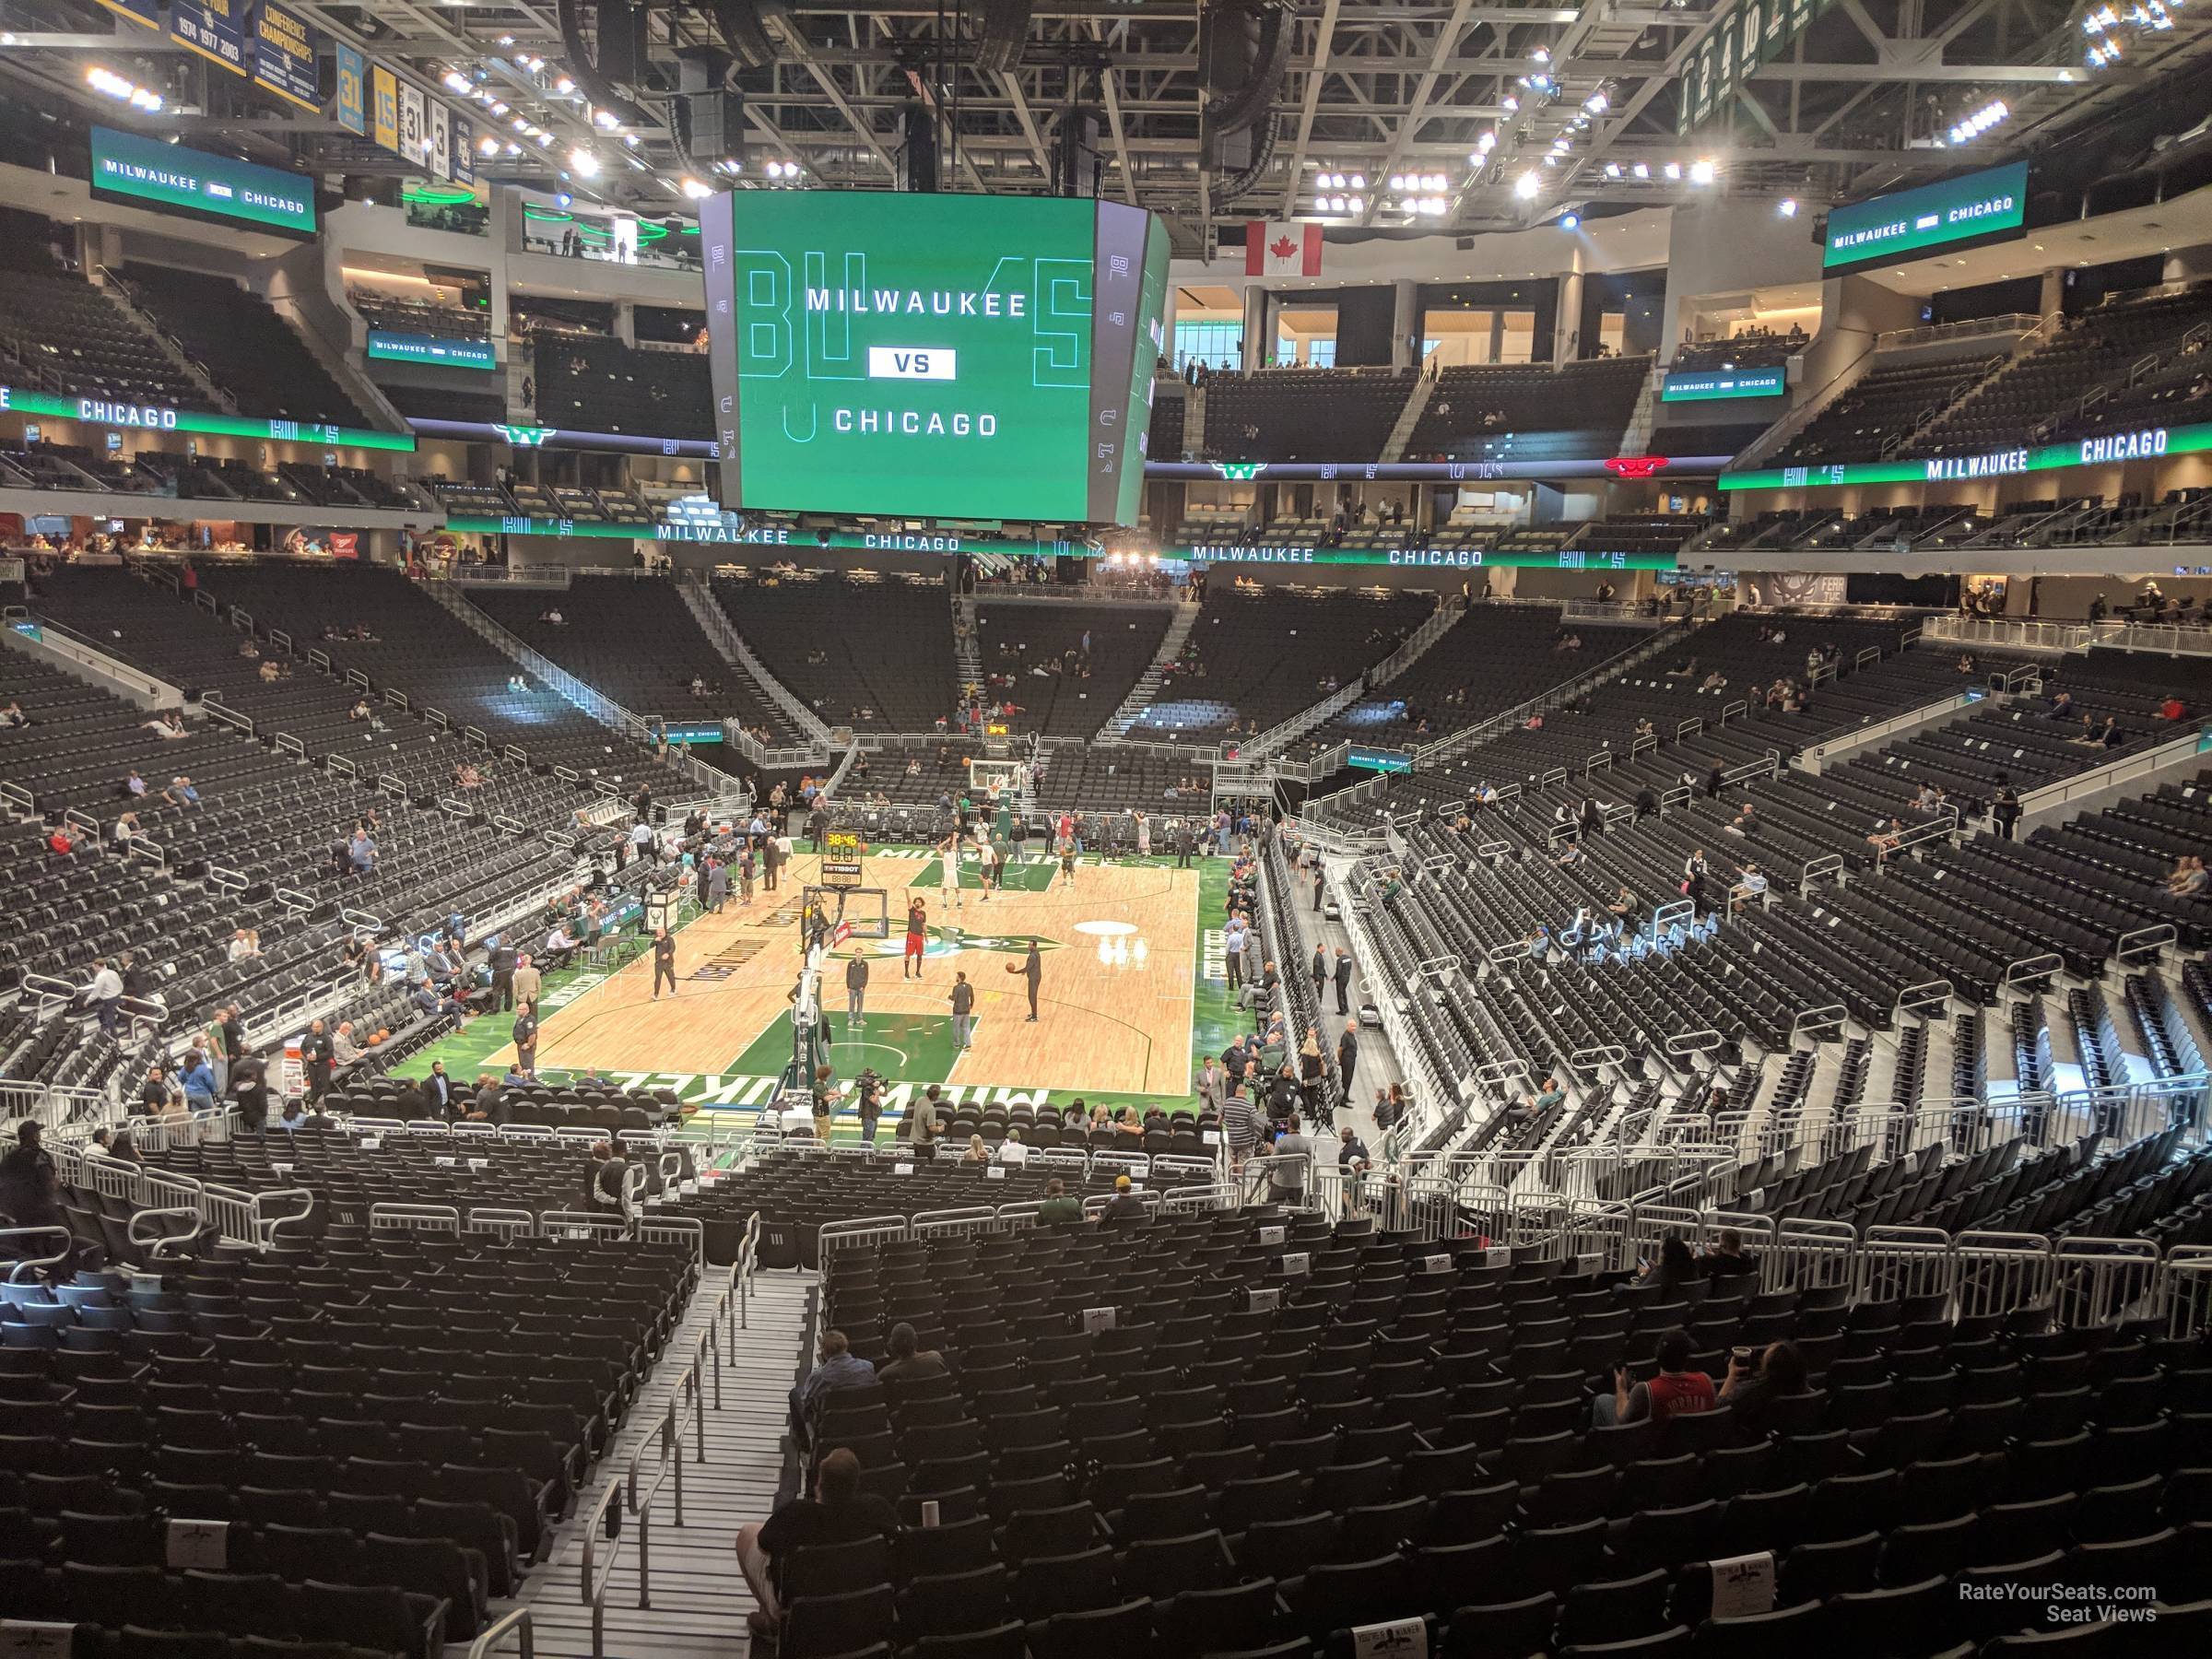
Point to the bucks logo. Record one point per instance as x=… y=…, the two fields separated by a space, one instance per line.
x=944 y=941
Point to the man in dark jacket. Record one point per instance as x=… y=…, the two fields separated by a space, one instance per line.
x=1344 y=979
x=502 y=976
x=1347 y=1059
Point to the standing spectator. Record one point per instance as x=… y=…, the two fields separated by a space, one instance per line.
x=1287 y=1178
x=249 y=1086
x=2006 y=809
x=317 y=1057
x=664 y=962
x=104 y=993
x=30 y=1185
x=220 y=1043
x=1239 y=1124
x=963 y=1011
x=1317 y=886
x=1344 y=979
x=1347 y=1059
x=527 y=982
x=1321 y=971
x=198 y=1082
x=1212 y=1086
x=856 y=994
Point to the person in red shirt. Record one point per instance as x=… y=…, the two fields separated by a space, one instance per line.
x=1676 y=1391
x=2171 y=709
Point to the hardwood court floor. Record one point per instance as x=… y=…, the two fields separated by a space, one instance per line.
x=1115 y=1006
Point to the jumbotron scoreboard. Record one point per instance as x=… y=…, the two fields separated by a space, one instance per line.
x=932 y=356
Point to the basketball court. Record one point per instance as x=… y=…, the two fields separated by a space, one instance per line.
x=1119 y=948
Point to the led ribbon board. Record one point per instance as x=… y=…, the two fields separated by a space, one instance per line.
x=932 y=356
x=162 y=418
x=1986 y=206
x=2144 y=443
x=1698 y=385
x=729 y=530
x=149 y=173
x=392 y=345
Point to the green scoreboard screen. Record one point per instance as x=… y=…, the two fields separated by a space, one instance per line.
x=149 y=173
x=1977 y=208
x=932 y=356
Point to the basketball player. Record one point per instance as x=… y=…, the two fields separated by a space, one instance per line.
x=948 y=852
x=917 y=936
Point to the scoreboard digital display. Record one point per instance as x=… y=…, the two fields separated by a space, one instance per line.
x=146 y=173
x=932 y=356
x=1973 y=210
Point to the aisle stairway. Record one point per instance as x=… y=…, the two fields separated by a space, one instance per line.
x=1148 y=683
x=699 y=1601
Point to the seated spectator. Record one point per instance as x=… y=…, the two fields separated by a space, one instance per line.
x=1745 y=823
x=838 y=1513
x=977 y=1154
x=181 y=792
x=908 y=1359
x=2188 y=877
x=1748 y=1393
x=158 y=1096
x=1728 y=1258
x=1123 y=1206
x=1673 y=1268
x=840 y=1367
x=1058 y=1205
x=168 y=727
x=1676 y=1391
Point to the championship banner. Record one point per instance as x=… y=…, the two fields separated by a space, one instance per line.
x=284 y=56
x=441 y=142
x=464 y=150
x=351 y=105
x=384 y=90
x=214 y=28
x=148 y=12
x=413 y=144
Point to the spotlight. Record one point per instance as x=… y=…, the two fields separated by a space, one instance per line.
x=1673 y=170
x=1640 y=170
x=1511 y=103
x=696 y=190
x=564 y=86
x=585 y=163
x=1612 y=169
x=1570 y=220
x=1397 y=182
x=1787 y=208
x=1359 y=181
x=455 y=81
x=487 y=146
x=1527 y=185
x=1701 y=172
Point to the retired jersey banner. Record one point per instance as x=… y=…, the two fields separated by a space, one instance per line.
x=214 y=28
x=351 y=107
x=284 y=56
x=464 y=150
x=441 y=142
x=385 y=87
x=1281 y=250
x=413 y=141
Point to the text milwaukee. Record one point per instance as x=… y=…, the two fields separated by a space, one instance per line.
x=1951 y=467
x=918 y=302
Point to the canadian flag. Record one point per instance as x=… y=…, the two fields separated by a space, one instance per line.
x=1281 y=250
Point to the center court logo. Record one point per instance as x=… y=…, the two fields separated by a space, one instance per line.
x=945 y=941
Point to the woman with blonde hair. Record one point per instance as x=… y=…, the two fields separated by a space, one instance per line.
x=977 y=1152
